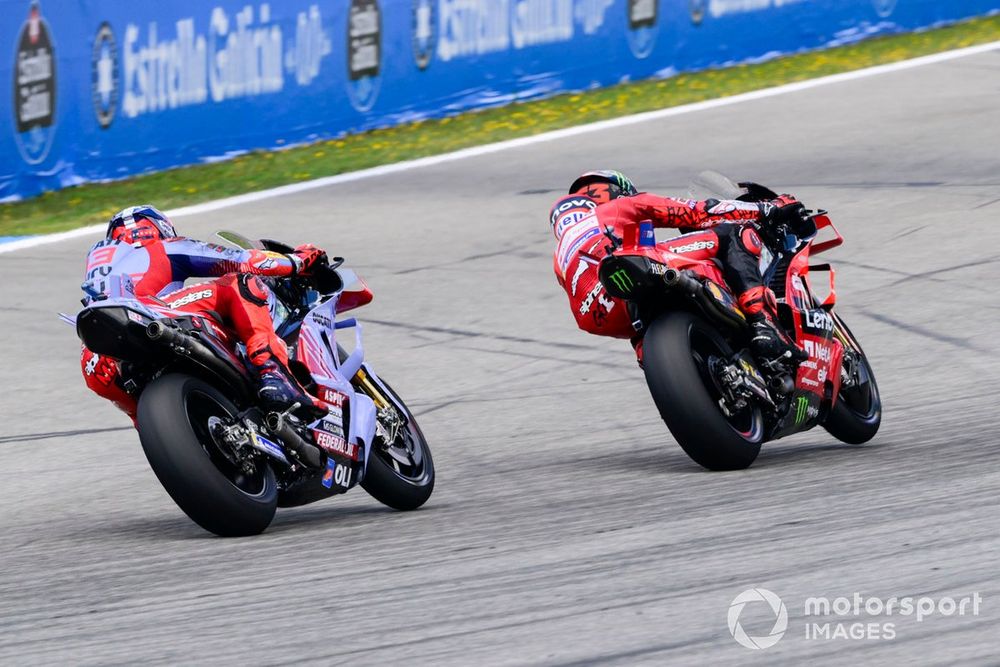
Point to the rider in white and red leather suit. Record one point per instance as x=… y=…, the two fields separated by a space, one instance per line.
x=608 y=199
x=141 y=245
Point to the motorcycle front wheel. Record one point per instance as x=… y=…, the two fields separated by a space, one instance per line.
x=175 y=416
x=857 y=415
x=678 y=350
x=400 y=469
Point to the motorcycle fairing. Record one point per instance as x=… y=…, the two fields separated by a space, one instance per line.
x=317 y=350
x=814 y=330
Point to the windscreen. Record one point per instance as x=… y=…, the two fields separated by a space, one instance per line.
x=713 y=185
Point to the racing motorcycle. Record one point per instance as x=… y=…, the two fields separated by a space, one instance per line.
x=719 y=402
x=226 y=462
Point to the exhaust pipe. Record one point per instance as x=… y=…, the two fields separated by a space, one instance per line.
x=675 y=278
x=782 y=384
x=155 y=330
x=161 y=333
x=186 y=347
x=276 y=423
x=683 y=281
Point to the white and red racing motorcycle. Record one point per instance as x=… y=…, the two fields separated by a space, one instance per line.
x=226 y=462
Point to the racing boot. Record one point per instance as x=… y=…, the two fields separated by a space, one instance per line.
x=769 y=343
x=278 y=391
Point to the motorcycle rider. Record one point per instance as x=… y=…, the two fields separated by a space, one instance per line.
x=142 y=250
x=602 y=199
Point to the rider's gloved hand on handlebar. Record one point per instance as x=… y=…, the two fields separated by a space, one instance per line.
x=307 y=257
x=780 y=215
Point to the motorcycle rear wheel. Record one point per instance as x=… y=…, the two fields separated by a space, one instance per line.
x=676 y=352
x=173 y=422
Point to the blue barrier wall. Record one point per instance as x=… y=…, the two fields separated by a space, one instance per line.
x=102 y=89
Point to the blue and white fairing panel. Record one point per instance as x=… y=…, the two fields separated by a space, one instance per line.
x=317 y=349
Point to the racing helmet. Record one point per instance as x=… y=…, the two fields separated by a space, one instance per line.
x=603 y=185
x=140 y=225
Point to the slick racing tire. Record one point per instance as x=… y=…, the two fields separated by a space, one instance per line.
x=856 y=416
x=677 y=349
x=173 y=417
x=400 y=473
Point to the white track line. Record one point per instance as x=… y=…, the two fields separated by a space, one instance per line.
x=555 y=135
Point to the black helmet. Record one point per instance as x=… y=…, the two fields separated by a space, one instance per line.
x=603 y=185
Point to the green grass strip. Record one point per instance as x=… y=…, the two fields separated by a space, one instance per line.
x=89 y=204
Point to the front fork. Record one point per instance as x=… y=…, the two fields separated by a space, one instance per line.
x=389 y=421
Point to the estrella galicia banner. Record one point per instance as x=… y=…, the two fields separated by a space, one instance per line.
x=104 y=89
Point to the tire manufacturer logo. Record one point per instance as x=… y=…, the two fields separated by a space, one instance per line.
x=749 y=596
x=104 y=76
x=642 y=26
x=424 y=32
x=364 y=53
x=34 y=88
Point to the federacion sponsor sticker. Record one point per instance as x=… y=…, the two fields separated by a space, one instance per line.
x=336 y=444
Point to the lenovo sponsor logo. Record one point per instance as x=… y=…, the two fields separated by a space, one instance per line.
x=819 y=320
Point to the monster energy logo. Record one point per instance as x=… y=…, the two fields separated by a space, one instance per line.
x=622 y=280
x=621 y=180
x=801 y=410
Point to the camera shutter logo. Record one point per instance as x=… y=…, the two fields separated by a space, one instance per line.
x=34 y=88
x=780 y=618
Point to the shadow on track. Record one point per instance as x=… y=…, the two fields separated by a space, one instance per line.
x=670 y=459
x=173 y=525
x=780 y=456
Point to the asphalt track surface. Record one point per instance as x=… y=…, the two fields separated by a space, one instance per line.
x=567 y=527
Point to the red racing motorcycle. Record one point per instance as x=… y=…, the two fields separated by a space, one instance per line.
x=719 y=402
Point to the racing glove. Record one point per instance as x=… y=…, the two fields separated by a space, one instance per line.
x=780 y=216
x=306 y=258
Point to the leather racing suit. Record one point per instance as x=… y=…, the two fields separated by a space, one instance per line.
x=721 y=231
x=157 y=272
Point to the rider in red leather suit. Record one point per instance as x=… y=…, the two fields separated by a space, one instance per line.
x=602 y=199
x=142 y=249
